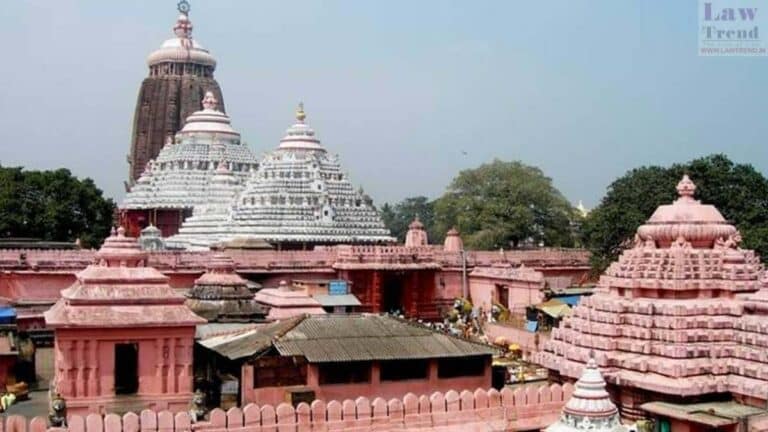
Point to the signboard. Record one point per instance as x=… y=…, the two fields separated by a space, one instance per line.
x=338 y=287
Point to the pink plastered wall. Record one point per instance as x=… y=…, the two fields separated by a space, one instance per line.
x=85 y=366
x=374 y=388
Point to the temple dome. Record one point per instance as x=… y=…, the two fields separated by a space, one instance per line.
x=686 y=218
x=590 y=407
x=188 y=171
x=209 y=120
x=182 y=48
x=300 y=136
x=453 y=242
x=416 y=235
x=299 y=194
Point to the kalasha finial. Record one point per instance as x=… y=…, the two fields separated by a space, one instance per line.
x=300 y=114
x=209 y=101
x=686 y=188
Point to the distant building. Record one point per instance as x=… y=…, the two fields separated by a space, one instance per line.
x=346 y=356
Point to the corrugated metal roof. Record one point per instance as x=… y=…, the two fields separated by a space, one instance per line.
x=714 y=414
x=248 y=342
x=328 y=300
x=371 y=337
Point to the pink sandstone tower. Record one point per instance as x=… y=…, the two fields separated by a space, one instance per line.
x=123 y=336
x=679 y=318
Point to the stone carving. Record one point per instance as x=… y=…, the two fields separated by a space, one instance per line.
x=197 y=408
x=58 y=412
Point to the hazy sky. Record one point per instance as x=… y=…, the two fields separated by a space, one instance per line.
x=400 y=89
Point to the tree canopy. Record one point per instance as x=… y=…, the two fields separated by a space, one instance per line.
x=398 y=216
x=53 y=206
x=737 y=190
x=503 y=204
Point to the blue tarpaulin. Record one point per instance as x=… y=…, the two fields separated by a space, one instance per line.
x=531 y=326
x=570 y=300
x=7 y=315
x=338 y=287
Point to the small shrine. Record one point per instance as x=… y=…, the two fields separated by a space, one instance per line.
x=589 y=408
x=416 y=235
x=453 y=242
x=221 y=296
x=123 y=336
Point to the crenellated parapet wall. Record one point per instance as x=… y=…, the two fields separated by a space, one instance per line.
x=321 y=257
x=506 y=410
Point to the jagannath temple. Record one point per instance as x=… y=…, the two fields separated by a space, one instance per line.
x=180 y=73
x=262 y=285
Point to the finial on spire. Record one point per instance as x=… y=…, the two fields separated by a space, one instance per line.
x=209 y=101
x=183 y=27
x=300 y=114
x=183 y=7
x=686 y=188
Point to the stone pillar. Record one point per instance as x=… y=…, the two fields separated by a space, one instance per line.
x=78 y=357
x=376 y=292
x=375 y=374
x=432 y=373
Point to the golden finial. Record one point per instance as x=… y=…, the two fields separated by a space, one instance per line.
x=300 y=114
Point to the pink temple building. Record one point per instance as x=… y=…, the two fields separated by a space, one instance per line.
x=123 y=336
x=680 y=318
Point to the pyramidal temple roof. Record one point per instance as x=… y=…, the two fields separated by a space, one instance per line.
x=186 y=172
x=298 y=194
x=590 y=407
x=120 y=291
x=681 y=313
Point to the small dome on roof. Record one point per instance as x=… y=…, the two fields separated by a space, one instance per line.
x=686 y=218
x=182 y=48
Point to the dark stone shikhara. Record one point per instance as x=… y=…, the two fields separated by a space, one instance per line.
x=180 y=73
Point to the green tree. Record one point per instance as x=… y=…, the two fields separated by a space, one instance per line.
x=503 y=204
x=737 y=190
x=397 y=217
x=53 y=205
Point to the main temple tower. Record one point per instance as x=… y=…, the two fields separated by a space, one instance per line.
x=180 y=73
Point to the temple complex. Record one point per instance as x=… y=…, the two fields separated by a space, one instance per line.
x=123 y=336
x=180 y=73
x=205 y=163
x=680 y=318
